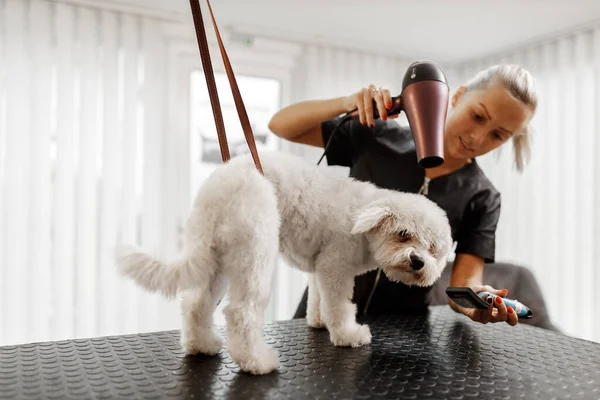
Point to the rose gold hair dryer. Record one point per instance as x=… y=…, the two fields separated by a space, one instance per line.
x=424 y=99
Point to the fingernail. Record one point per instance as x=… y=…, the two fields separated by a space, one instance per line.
x=388 y=105
x=498 y=300
x=384 y=117
x=510 y=310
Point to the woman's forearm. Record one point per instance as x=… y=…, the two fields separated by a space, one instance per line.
x=467 y=271
x=298 y=119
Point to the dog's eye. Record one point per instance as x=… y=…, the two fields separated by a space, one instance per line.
x=431 y=248
x=403 y=236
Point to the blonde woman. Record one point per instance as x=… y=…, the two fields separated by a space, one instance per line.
x=491 y=110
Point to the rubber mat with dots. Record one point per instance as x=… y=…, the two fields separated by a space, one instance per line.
x=437 y=355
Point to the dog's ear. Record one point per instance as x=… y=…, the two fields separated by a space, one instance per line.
x=383 y=217
x=370 y=217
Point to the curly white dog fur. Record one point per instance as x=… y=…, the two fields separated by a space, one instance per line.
x=330 y=226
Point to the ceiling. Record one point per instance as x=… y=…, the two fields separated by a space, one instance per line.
x=447 y=30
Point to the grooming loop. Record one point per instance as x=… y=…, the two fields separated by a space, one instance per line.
x=212 y=87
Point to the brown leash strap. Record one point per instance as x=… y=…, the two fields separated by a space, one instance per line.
x=212 y=87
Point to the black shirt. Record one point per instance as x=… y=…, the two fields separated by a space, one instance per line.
x=386 y=156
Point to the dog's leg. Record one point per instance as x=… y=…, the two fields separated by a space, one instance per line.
x=337 y=310
x=313 y=309
x=197 y=308
x=249 y=296
x=250 y=265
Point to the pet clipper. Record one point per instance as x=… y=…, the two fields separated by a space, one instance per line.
x=466 y=297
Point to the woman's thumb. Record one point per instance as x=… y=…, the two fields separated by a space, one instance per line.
x=497 y=292
x=500 y=292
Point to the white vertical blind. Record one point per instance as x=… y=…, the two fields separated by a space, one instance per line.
x=150 y=166
x=87 y=191
x=550 y=218
x=130 y=154
x=63 y=232
x=110 y=175
x=3 y=186
x=15 y=193
x=595 y=215
x=39 y=243
x=81 y=167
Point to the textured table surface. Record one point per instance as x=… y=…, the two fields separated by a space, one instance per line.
x=437 y=355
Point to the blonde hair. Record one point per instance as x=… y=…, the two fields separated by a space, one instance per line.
x=520 y=83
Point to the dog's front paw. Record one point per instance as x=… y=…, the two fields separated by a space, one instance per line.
x=315 y=322
x=353 y=336
x=209 y=344
x=258 y=363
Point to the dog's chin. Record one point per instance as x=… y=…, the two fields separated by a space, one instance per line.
x=405 y=274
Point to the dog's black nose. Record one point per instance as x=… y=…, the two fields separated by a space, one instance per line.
x=417 y=262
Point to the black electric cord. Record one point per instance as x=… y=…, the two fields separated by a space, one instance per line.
x=340 y=122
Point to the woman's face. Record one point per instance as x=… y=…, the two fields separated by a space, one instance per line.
x=481 y=120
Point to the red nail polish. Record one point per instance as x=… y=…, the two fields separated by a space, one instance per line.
x=388 y=106
x=384 y=117
x=510 y=310
x=498 y=300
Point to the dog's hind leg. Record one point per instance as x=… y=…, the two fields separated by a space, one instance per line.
x=250 y=266
x=197 y=309
x=250 y=283
x=313 y=305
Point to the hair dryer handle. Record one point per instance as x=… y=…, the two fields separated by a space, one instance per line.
x=396 y=109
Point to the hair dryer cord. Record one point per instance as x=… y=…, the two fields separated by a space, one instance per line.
x=340 y=122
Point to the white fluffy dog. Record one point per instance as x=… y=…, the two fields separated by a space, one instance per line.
x=330 y=226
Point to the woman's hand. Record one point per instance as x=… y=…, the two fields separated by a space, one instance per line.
x=498 y=312
x=468 y=271
x=363 y=101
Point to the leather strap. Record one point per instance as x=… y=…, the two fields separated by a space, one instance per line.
x=212 y=87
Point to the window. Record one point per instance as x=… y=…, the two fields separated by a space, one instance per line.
x=261 y=98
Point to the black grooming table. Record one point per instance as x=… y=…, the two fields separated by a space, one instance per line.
x=438 y=355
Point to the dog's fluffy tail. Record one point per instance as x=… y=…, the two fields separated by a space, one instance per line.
x=155 y=275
